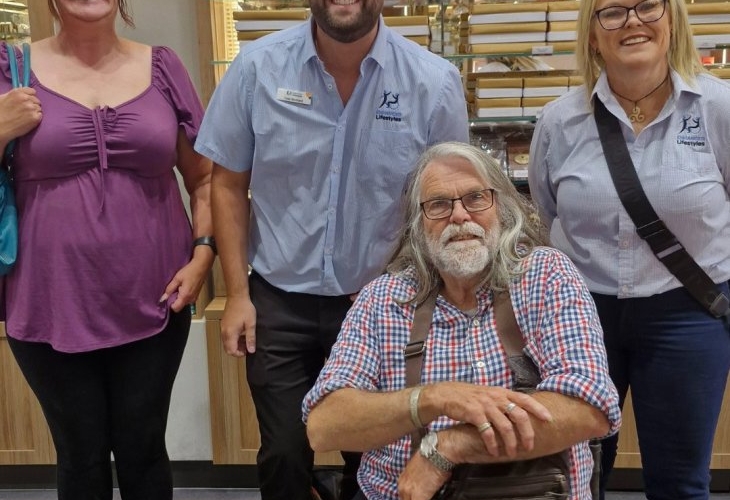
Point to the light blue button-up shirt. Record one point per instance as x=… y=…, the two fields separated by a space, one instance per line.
x=683 y=161
x=327 y=179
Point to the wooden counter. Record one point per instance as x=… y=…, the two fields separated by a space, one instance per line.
x=234 y=427
x=24 y=435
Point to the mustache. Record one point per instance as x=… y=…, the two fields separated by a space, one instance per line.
x=465 y=229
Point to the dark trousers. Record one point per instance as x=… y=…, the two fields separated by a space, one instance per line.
x=674 y=357
x=294 y=336
x=112 y=400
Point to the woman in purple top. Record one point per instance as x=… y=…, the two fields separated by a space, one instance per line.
x=96 y=306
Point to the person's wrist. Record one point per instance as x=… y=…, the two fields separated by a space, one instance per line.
x=208 y=241
x=432 y=449
x=413 y=400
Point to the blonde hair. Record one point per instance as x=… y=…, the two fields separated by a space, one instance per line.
x=682 y=55
x=123 y=11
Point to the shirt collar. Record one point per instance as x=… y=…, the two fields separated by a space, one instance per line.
x=678 y=85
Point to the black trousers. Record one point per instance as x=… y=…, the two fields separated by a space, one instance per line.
x=112 y=400
x=294 y=335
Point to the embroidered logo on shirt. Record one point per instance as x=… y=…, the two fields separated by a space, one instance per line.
x=388 y=108
x=691 y=132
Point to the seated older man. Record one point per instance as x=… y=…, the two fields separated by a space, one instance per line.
x=468 y=234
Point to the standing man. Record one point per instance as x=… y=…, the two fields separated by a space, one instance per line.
x=322 y=123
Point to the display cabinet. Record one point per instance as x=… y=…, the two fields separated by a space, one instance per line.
x=24 y=435
x=23 y=21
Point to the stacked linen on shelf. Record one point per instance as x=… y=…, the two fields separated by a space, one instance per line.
x=415 y=28
x=562 y=30
x=499 y=28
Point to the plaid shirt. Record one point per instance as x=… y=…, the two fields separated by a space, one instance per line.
x=562 y=333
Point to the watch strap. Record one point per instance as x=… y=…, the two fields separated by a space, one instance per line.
x=208 y=241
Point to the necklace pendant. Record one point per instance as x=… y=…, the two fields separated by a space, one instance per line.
x=636 y=115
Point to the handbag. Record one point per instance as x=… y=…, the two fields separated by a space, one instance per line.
x=649 y=226
x=535 y=479
x=8 y=213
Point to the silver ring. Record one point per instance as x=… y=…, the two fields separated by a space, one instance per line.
x=484 y=427
x=508 y=409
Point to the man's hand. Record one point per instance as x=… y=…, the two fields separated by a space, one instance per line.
x=238 y=326
x=420 y=479
x=507 y=413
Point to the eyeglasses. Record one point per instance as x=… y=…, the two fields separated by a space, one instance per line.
x=441 y=208
x=616 y=17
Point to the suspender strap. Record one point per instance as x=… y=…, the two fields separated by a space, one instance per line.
x=649 y=226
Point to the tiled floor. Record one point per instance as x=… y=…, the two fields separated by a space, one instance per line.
x=180 y=494
x=224 y=494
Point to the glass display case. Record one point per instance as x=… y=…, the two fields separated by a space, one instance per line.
x=14 y=21
x=22 y=21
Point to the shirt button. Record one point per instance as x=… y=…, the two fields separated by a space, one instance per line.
x=625 y=289
x=329 y=86
x=624 y=244
x=475 y=322
x=481 y=364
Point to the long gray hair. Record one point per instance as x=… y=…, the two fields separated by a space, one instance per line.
x=518 y=221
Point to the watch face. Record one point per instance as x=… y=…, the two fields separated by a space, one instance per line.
x=428 y=444
x=430 y=452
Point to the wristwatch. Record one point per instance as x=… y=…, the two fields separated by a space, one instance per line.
x=428 y=450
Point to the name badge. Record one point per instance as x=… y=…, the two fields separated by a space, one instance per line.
x=295 y=96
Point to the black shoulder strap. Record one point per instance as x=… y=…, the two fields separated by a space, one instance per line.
x=649 y=226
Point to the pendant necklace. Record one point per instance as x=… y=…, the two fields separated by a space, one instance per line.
x=636 y=115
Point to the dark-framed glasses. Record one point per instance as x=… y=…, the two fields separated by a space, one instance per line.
x=616 y=17
x=441 y=208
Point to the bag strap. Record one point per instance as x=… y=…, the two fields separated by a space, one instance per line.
x=13 y=63
x=15 y=79
x=649 y=226
x=507 y=328
x=413 y=351
x=509 y=335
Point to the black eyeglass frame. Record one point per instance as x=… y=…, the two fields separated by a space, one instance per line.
x=628 y=10
x=491 y=191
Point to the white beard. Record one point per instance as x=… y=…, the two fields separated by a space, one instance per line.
x=463 y=259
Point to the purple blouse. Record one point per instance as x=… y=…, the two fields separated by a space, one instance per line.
x=102 y=223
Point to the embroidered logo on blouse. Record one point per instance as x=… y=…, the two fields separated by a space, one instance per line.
x=691 y=131
x=388 y=107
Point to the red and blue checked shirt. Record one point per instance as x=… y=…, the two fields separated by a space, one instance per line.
x=562 y=333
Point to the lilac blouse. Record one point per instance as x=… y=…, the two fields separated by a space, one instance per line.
x=102 y=223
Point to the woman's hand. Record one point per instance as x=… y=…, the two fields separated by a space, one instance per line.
x=188 y=281
x=20 y=112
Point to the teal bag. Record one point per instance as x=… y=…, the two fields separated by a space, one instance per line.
x=8 y=213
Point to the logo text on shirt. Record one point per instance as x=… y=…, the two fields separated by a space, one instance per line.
x=691 y=132
x=388 y=108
